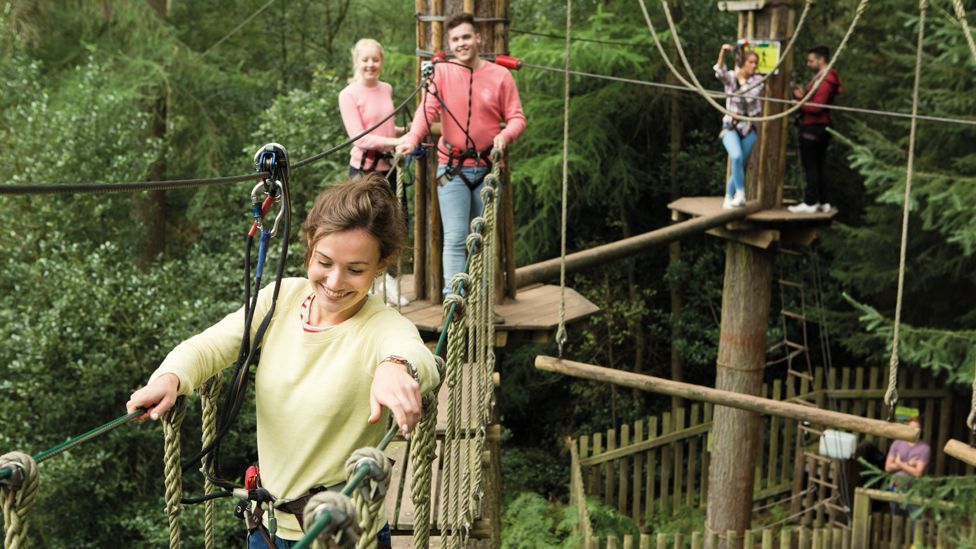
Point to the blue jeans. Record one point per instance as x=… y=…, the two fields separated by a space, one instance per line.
x=255 y=541
x=739 y=149
x=459 y=204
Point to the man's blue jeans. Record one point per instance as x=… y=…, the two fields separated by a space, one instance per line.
x=459 y=204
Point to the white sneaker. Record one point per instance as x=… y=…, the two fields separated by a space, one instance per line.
x=739 y=199
x=393 y=294
x=727 y=203
x=825 y=207
x=804 y=208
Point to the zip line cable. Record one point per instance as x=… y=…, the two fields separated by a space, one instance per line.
x=688 y=89
x=142 y=186
x=237 y=28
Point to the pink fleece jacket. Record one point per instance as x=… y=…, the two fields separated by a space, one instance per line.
x=361 y=107
x=494 y=99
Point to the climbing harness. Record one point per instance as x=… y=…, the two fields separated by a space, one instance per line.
x=456 y=160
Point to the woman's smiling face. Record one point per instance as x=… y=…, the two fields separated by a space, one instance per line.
x=341 y=270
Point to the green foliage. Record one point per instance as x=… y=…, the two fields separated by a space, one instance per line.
x=951 y=500
x=943 y=351
x=684 y=520
x=531 y=521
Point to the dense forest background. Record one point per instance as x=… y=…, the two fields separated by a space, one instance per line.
x=96 y=289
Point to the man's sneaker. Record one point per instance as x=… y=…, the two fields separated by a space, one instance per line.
x=804 y=208
x=825 y=207
x=739 y=199
x=393 y=293
x=727 y=203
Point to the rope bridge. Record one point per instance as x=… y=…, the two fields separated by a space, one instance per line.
x=352 y=517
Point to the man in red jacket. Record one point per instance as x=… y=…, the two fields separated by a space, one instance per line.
x=812 y=125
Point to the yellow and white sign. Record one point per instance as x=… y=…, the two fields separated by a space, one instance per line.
x=768 y=52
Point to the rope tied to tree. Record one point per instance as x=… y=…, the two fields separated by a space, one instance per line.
x=561 y=336
x=173 y=469
x=209 y=393
x=341 y=531
x=891 y=393
x=17 y=494
x=695 y=85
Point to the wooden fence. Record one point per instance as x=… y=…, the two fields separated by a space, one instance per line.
x=883 y=529
x=796 y=538
x=659 y=464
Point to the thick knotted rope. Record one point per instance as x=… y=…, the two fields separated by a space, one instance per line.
x=173 y=470
x=209 y=392
x=369 y=497
x=891 y=393
x=342 y=530
x=423 y=446
x=17 y=493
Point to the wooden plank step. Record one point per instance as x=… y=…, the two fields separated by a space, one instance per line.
x=792 y=314
x=800 y=374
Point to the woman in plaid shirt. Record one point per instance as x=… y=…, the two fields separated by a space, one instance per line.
x=739 y=136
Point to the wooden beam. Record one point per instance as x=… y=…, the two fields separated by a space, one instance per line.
x=761 y=405
x=961 y=451
x=599 y=255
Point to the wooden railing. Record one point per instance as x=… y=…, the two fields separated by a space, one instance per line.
x=577 y=495
x=874 y=528
x=797 y=538
x=659 y=464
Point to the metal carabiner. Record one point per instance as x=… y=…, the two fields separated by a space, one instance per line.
x=281 y=209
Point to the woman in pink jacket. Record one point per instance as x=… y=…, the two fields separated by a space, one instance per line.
x=363 y=103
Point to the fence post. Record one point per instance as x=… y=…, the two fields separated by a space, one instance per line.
x=862 y=520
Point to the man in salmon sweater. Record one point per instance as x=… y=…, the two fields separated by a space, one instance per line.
x=478 y=96
x=812 y=125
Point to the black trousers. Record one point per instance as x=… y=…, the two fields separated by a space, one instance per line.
x=813 y=154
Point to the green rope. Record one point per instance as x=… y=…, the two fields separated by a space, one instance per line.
x=71 y=443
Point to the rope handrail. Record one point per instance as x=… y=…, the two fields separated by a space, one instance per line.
x=561 y=336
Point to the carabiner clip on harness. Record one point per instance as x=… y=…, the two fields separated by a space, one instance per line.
x=272 y=159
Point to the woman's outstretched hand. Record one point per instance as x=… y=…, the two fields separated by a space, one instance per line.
x=156 y=397
x=394 y=388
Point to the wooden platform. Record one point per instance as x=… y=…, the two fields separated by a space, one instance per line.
x=535 y=310
x=760 y=229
